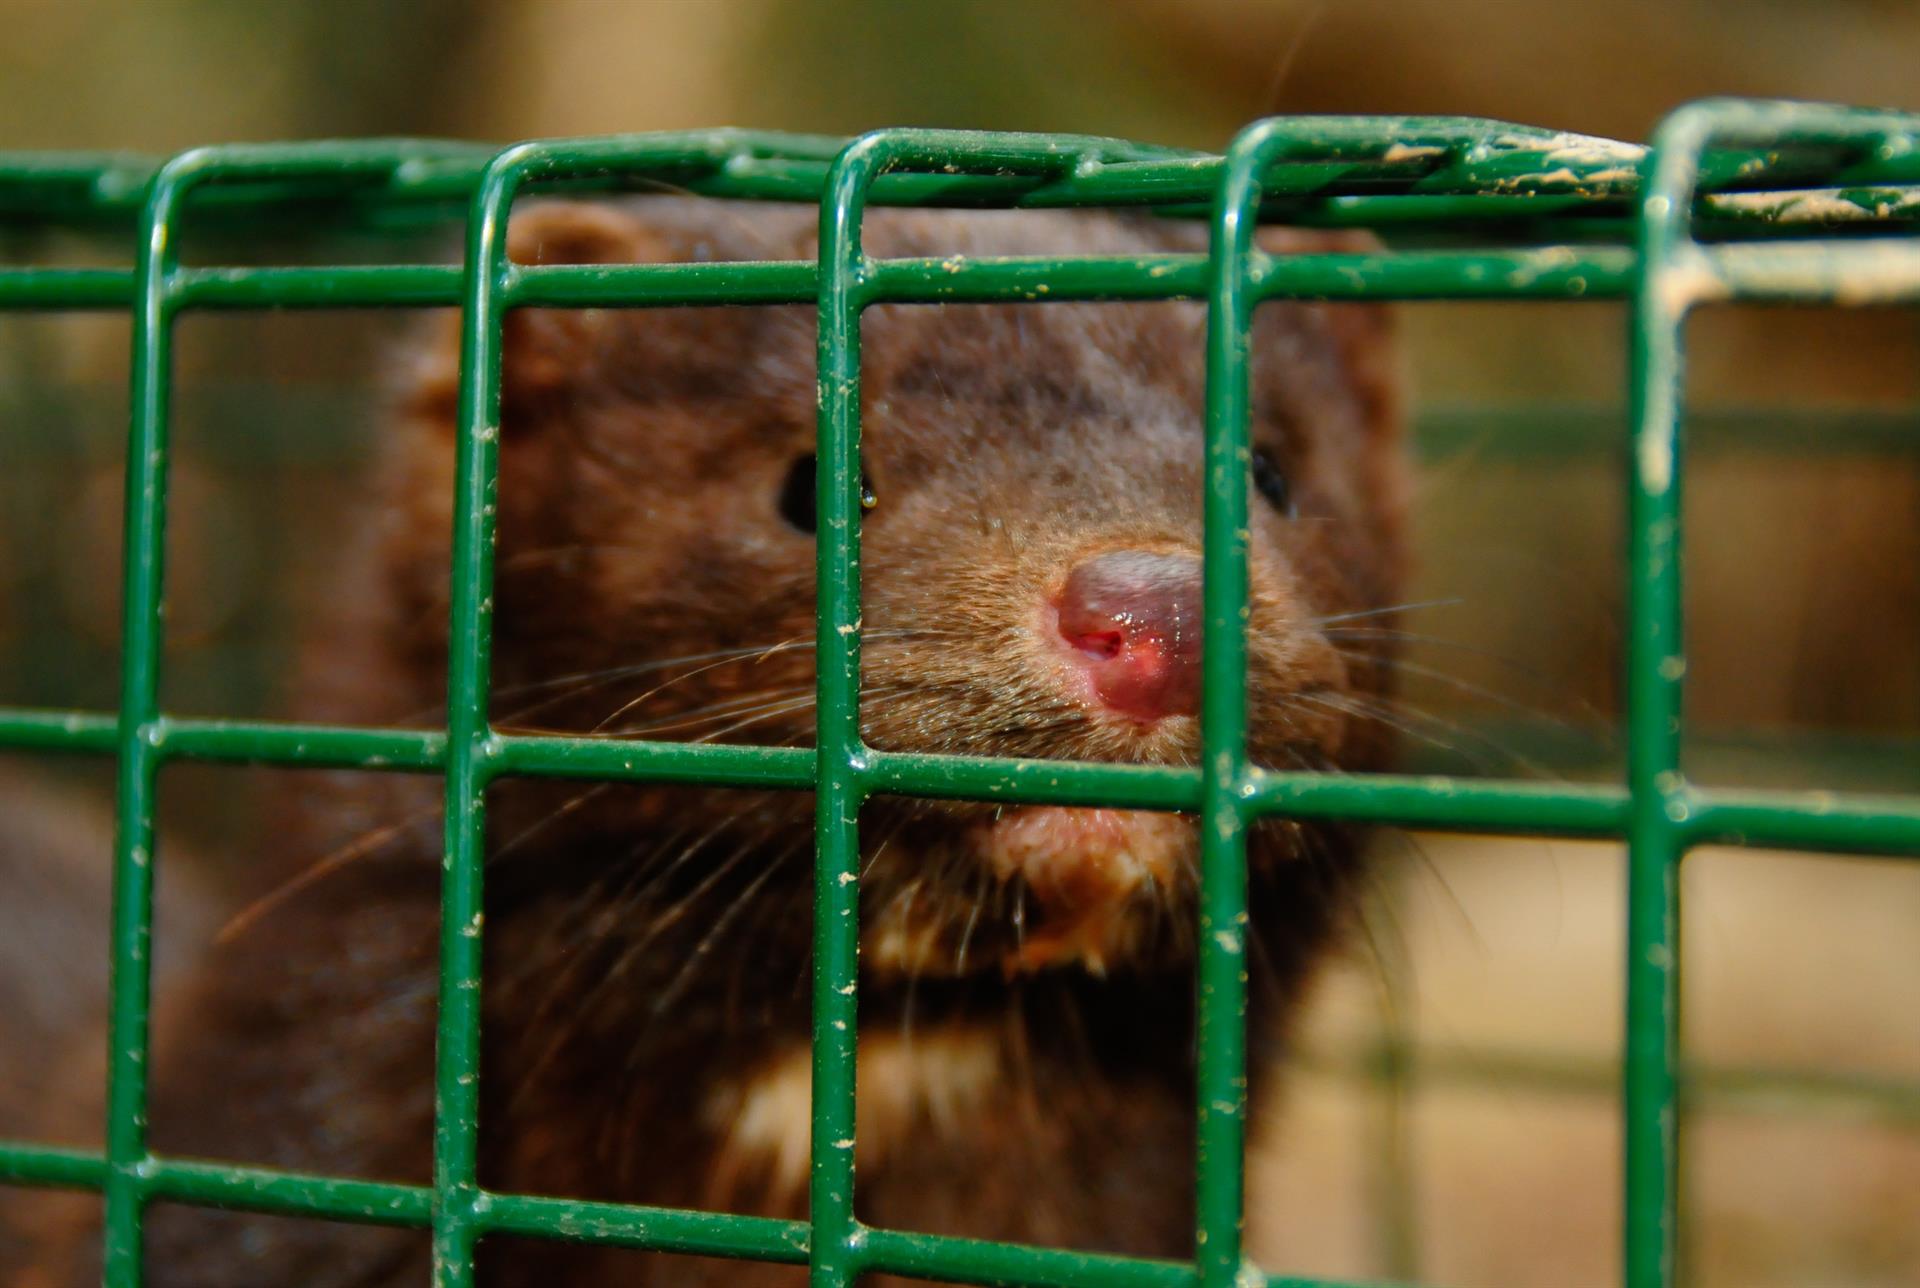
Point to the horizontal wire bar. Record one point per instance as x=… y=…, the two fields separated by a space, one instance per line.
x=313 y=746
x=66 y=288
x=224 y=1185
x=1710 y=1088
x=1846 y=273
x=618 y=285
x=53 y=1166
x=1826 y=822
x=1035 y=782
x=1547 y=272
x=259 y=1189
x=1552 y=272
x=239 y=741
x=718 y=764
x=1842 y=273
x=345 y=286
x=713 y=1234
x=1355 y=158
x=85 y=733
x=1444 y=804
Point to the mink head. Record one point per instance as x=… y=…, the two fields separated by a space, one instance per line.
x=1030 y=576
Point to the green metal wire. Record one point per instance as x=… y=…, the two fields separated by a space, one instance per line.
x=1714 y=211
x=1221 y=1085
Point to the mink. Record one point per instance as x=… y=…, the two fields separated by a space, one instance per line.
x=1030 y=588
x=55 y=897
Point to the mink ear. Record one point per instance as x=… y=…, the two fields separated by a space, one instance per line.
x=546 y=354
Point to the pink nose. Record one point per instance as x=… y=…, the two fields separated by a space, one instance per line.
x=1132 y=619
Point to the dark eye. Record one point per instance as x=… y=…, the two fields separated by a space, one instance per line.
x=1271 y=483
x=797 y=492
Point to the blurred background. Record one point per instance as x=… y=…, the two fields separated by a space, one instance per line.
x=1490 y=1155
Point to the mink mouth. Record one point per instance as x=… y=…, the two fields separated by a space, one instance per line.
x=1036 y=889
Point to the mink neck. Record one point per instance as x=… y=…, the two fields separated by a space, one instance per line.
x=682 y=987
x=618 y=1057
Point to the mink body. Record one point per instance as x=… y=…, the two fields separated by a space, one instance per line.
x=1026 y=1061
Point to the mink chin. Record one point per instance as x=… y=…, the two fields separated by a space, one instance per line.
x=1030 y=589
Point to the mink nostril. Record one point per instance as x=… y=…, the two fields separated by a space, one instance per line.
x=1100 y=644
x=1132 y=618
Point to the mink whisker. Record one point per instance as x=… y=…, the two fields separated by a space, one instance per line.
x=1472 y=690
x=671 y=994
x=1426 y=864
x=772 y=711
x=572 y=803
x=593 y=929
x=914 y=965
x=622 y=671
x=367 y=842
x=973 y=920
x=1401 y=715
x=726 y=708
x=678 y=679
x=1344 y=706
x=1361 y=635
x=628 y=954
x=1405 y=606
x=583 y=682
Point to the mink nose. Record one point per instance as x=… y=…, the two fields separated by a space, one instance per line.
x=1132 y=619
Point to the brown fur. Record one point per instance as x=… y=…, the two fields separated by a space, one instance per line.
x=647 y=949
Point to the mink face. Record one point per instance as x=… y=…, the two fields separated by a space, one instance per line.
x=1030 y=588
x=1030 y=575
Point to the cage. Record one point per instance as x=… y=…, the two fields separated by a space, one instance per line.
x=1732 y=201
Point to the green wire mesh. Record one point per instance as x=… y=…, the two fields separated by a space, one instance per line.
x=1706 y=214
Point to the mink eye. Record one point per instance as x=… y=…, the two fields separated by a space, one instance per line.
x=797 y=493
x=1272 y=483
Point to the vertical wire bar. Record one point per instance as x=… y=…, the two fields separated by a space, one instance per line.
x=835 y=1235
x=1666 y=284
x=1221 y=987
x=837 y=1240
x=469 y=654
x=460 y=1208
x=142 y=639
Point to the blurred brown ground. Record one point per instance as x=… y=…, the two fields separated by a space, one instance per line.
x=1503 y=956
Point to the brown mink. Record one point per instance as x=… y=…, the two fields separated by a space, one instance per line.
x=1031 y=582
